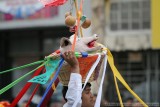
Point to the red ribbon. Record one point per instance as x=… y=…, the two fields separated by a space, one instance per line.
x=25 y=88
x=49 y=94
x=54 y=2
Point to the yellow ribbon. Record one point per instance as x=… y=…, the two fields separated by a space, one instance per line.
x=53 y=85
x=118 y=92
x=79 y=14
x=118 y=75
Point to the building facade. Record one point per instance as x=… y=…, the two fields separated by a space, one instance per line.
x=26 y=37
x=133 y=35
x=129 y=28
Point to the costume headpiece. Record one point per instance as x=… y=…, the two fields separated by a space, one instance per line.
x=86 y=63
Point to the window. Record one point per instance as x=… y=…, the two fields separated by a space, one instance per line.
x=130 y=15
x=141 y=72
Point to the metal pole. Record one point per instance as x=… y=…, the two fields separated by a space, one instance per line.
x=148 y=80
x=156 y=77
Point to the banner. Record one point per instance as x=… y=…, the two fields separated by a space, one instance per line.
x=20 y=8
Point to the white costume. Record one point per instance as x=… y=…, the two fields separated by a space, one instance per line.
x=74 y=90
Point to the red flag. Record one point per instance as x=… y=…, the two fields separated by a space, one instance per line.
x=53 y=2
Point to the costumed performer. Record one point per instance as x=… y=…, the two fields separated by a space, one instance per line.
x=74 y=88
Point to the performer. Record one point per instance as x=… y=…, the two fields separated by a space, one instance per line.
x=74 y=88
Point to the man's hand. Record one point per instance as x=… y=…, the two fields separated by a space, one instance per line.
x=71 y=59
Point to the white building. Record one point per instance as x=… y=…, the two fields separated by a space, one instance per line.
x=130 y=32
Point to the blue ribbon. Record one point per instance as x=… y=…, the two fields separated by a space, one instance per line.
x=84 y=54
x=52 y=81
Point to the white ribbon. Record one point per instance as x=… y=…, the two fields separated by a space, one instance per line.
x=98 y=99
x=87 y=78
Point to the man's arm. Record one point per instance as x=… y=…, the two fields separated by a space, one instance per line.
x=75 y=83
x=74 y=89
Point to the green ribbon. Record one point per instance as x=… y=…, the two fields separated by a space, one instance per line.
x=19 y=79
x=21 y=67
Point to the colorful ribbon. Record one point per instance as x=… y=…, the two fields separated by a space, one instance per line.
x=21 y=67
x=18 y=80
x=49 y=94
x=98 y=99
x=25 y=88
x=52 y=81
x=118 y=75
x=87 y=78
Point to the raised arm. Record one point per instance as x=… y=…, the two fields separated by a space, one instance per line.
x=75 y=83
